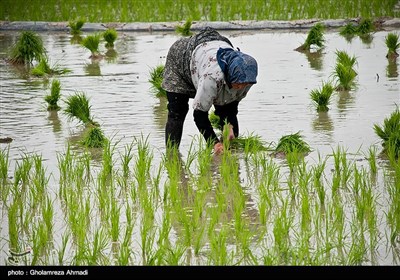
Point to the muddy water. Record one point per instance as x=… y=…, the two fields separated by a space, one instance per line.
x=122 y=101
x=278 y=104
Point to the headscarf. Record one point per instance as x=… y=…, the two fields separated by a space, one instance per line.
x=237 y=67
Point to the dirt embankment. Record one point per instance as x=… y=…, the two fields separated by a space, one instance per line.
x=196 y=25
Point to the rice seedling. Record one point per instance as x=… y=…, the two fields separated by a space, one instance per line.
x=344 y=76
x=250 y=143
x=392 y=43
x=78 y=108
x=29 y=47
x=314 y=37
x=92 y=42
x=161 y=10
x=96 y=252
x=188 y=224
x=349 y=30
x=94 y=138
x=317 y=174
x=345 y=59
x=292 y=143
x=389 y=132
x=214 y=119
x=110 y=35
x=43 y=68
x=322 y=97
x=54 y=96
x=156 y=78
x=4 y=165
x=76 y=26
x=184 y=29
x=365 y=27
x=372 y=159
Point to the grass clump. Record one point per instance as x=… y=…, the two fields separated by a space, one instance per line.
x=392 y=43
x=365 y=27
x=362 y=29
x=29 y=47
x=321 y=97
x=345 y=77
x=76 y=26
x=156 y=78
x=349 y=30
x=314 y=37
x=214 y=120
x=54 y=96
x=344 y=71
x=292 y=143
x=94 y=138
x=110 y=35
x=249 y=143
x=344 y=58
x=389 y=132
x=44 y=68
x=184 y=29
x=92 y=42
x=78 y=108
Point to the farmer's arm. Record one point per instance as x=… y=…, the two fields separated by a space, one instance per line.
x=206 y=92
x=228 y=115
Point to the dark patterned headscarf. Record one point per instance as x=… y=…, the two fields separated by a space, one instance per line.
x=237 y=67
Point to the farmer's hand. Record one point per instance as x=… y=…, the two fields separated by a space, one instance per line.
x=231 y=133
x=218 y=148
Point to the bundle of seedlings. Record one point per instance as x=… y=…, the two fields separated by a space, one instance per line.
x=110 y=36
x=389 y=132
x=292 y=143
x=92 y=42
x=76 y=26
x=249 y=143
x=314 y=37
x=54 y=96
x=363 y=29
x=321 y=97
x=43 y=68
x=94 y=138
x=184 y=29
x=28 y=47
x=156 y=79
x=78 y=108
x=392 y=43
x=344 y=58
x=344 y=71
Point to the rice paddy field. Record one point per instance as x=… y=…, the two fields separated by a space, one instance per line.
x=130 y=203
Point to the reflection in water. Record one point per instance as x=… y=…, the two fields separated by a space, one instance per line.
x=323 y=122
x=315 y=59
x=93 y=68
x=111 y=55
x=74 y=141
x=345 y=99
x=55 y=121
x=76 y=39
x=367 y=39
x=161 y=112
x=348 y=37
x=391 y=69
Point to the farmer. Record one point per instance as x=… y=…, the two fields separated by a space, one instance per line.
x=208 y=69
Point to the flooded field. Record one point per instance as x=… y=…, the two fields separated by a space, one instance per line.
x=279 y=104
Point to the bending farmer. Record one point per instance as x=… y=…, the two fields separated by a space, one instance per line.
x=208 y=69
